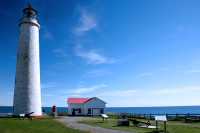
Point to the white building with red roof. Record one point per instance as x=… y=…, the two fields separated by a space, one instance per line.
x=86 y=106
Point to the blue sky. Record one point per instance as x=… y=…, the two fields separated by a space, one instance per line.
x=129 y=53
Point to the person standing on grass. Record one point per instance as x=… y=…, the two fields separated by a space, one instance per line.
x=54 y=110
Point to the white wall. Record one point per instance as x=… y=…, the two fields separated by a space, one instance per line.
x=27 y=95
x=94 y=103
x=75 y=106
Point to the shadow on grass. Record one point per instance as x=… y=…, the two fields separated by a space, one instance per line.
x=159 y=131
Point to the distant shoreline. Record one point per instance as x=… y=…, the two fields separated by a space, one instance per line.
x=136 y=110
x=125 y=106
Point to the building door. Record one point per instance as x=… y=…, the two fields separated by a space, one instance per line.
x=76 y=111
x=89 y=111
x=73 y=112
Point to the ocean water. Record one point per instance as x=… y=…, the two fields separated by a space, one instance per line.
x=156 y=110
x=137 y=110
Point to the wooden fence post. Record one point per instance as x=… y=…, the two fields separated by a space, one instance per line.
x=165 y=126
x=156 y=125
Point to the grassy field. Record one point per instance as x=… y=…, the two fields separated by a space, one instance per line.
x=172 y=127
x=47 y=125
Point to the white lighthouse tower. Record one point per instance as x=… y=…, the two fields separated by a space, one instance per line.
x=27 y=95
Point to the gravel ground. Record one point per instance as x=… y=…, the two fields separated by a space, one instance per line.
x=73 y=123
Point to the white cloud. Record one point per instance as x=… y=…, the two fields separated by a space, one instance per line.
x=118 y=93
x=85 y=90
x=145 y=74
x=97 y=73
x=59 y=52
x=48 y=85
x=164 y=69
x=92 y=56
x=193 y=71
x=178 y=90
x=86 y=23
x=181 y=96
x=82 y=91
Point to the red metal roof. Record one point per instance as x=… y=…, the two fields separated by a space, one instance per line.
x=77 y=100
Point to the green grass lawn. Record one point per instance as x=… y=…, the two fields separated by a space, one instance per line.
x=172 y=127
x=47 y=125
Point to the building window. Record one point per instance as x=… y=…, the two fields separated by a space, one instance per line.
x=89 y=111
x=102 y=111
x=79 y=110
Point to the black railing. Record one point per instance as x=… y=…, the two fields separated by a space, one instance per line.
x=169 y=116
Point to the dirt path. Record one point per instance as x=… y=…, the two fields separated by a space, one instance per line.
x=73 y=123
